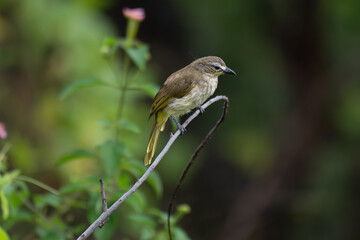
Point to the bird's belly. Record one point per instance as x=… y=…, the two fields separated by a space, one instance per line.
x=196 y=97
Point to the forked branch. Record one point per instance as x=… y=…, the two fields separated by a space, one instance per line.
x=103 y=217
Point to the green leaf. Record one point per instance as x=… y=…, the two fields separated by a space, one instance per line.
x=77 y=229
x=44 y=200
x=149 y=88
x=4 y=205
x=124 y=181
x=180 y=234
x=18 y=215
x=130 y=126
x=49 y=233
x=78 y=153
x=107 y=124
x=111 y=153
x=137 y=169
x=143 y=220
x=109 y=46
x=147 y=233
x=110 y=42
x=139 y=55
x=155 y=182
x=8 y=178
x=160 y=214
x=81 y=84
x=136 y=201
x=140 y=198
x=95 y=207
x=74 y=187
x=3 y=235
x=107 y=231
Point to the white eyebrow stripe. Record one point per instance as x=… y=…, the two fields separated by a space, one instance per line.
x=219 y=65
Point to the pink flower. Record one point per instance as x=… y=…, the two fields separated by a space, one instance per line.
x=137 y=14
x=3 y=133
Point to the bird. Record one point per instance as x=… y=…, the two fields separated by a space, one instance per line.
x=184 y=90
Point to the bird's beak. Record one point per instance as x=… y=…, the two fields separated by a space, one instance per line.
x=229 y=71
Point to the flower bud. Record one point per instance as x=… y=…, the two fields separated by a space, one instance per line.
x=134 y=17
x=184 y=209
x=137 y=14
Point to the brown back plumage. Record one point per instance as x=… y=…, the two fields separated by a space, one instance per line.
x=181 y=82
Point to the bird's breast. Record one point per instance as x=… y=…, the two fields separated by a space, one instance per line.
x=201 y=91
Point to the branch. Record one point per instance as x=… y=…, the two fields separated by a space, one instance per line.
x=104 y=203
x=192 y=159
x=102 y=218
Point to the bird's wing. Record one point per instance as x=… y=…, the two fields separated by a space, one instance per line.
x=176 y=86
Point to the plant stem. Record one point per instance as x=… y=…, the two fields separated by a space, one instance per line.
x=123 y=89
x=37 y=183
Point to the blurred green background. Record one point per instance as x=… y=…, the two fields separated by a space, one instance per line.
x=284 y=165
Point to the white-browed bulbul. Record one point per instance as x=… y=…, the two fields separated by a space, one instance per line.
x=183 y=91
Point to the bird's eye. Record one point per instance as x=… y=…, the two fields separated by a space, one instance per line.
x=217 y=68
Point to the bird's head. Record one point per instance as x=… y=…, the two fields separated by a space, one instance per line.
x=212 y=65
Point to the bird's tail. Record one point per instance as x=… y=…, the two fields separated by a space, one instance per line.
x=160 y=120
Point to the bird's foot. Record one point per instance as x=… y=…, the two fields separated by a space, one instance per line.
x=201 y=109
x=180 y=127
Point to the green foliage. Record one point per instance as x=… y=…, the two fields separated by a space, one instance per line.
x=46 y=44
x=49 y=211
x=82 y=185
x=111 y=153
x=3 y=234
x=139 y=55
x=6 y=181
x=76 y=154
x=154 y=224
x=4 y=205
x=137 y=52
x=107 y=231
x=110 y=46
x=49 y=233
x=149 y=88
x=81 y=84
x=137 y=169
x=127 y=125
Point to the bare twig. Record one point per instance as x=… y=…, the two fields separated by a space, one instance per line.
x=140 y=181
x=104 y=203
x=103 y=196
x=192 y=159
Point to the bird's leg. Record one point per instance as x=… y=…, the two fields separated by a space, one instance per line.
x=179 y=126
x=201 y=109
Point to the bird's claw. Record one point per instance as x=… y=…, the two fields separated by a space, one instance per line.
x=201 y=109
x=182 y=129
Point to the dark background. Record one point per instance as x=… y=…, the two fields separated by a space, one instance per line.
x=285 y=163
